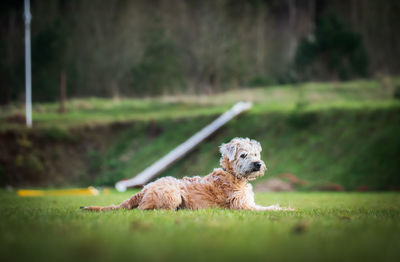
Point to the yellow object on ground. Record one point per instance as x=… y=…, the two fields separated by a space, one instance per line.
x=59 y=192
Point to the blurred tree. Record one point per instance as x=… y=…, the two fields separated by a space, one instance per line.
x=160 y=69
x=215 y=44
x=11 y=45
x=48 y=60
x=334 y=52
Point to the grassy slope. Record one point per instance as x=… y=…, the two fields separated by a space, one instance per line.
x=345 y=133
x=325 y=227
x=349 y=147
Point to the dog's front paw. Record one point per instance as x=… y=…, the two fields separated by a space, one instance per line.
x=277 y=207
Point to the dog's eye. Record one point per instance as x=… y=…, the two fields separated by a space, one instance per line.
x=243 y=155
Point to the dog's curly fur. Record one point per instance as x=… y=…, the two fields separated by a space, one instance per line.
x=226 y=187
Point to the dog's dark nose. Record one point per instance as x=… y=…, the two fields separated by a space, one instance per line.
x=257 y=166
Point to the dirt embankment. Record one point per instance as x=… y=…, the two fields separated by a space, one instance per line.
x=53 y=157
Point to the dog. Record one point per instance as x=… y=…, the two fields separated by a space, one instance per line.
x=226 y=187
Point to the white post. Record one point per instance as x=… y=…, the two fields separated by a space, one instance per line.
x=28 y=79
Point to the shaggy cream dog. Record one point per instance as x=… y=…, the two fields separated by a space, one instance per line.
x=226 y=187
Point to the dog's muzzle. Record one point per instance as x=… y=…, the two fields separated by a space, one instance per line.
x=256 y=166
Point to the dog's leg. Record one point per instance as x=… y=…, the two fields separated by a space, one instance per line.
x=130 y=203
x=272 y=208
x=246 y=202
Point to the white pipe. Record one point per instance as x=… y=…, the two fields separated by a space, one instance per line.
x=160 y=165
x=28 y=79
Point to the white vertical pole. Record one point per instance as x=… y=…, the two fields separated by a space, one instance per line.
x=28 y=79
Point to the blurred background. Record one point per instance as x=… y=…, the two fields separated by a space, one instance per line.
x=140 y=77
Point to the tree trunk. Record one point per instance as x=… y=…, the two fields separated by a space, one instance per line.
x=63 y=92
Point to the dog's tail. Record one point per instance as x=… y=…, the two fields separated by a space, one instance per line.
x=130 y=203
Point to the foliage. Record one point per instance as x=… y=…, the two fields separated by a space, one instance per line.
x=139 y=48
x=160 y=69
x=261 y=80
x=396 y=93
x=48 y=48
x=336 y=52
x=57 y=134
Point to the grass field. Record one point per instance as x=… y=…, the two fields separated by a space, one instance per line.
x=325 y=227
x=346 y=133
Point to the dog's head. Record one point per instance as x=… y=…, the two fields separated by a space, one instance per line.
x=241 y=157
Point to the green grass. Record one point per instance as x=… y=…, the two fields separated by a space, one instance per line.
x=347 y=133
x=325 y=227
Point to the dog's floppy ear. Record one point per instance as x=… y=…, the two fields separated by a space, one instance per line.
x=228 y=150
x=256 y=144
